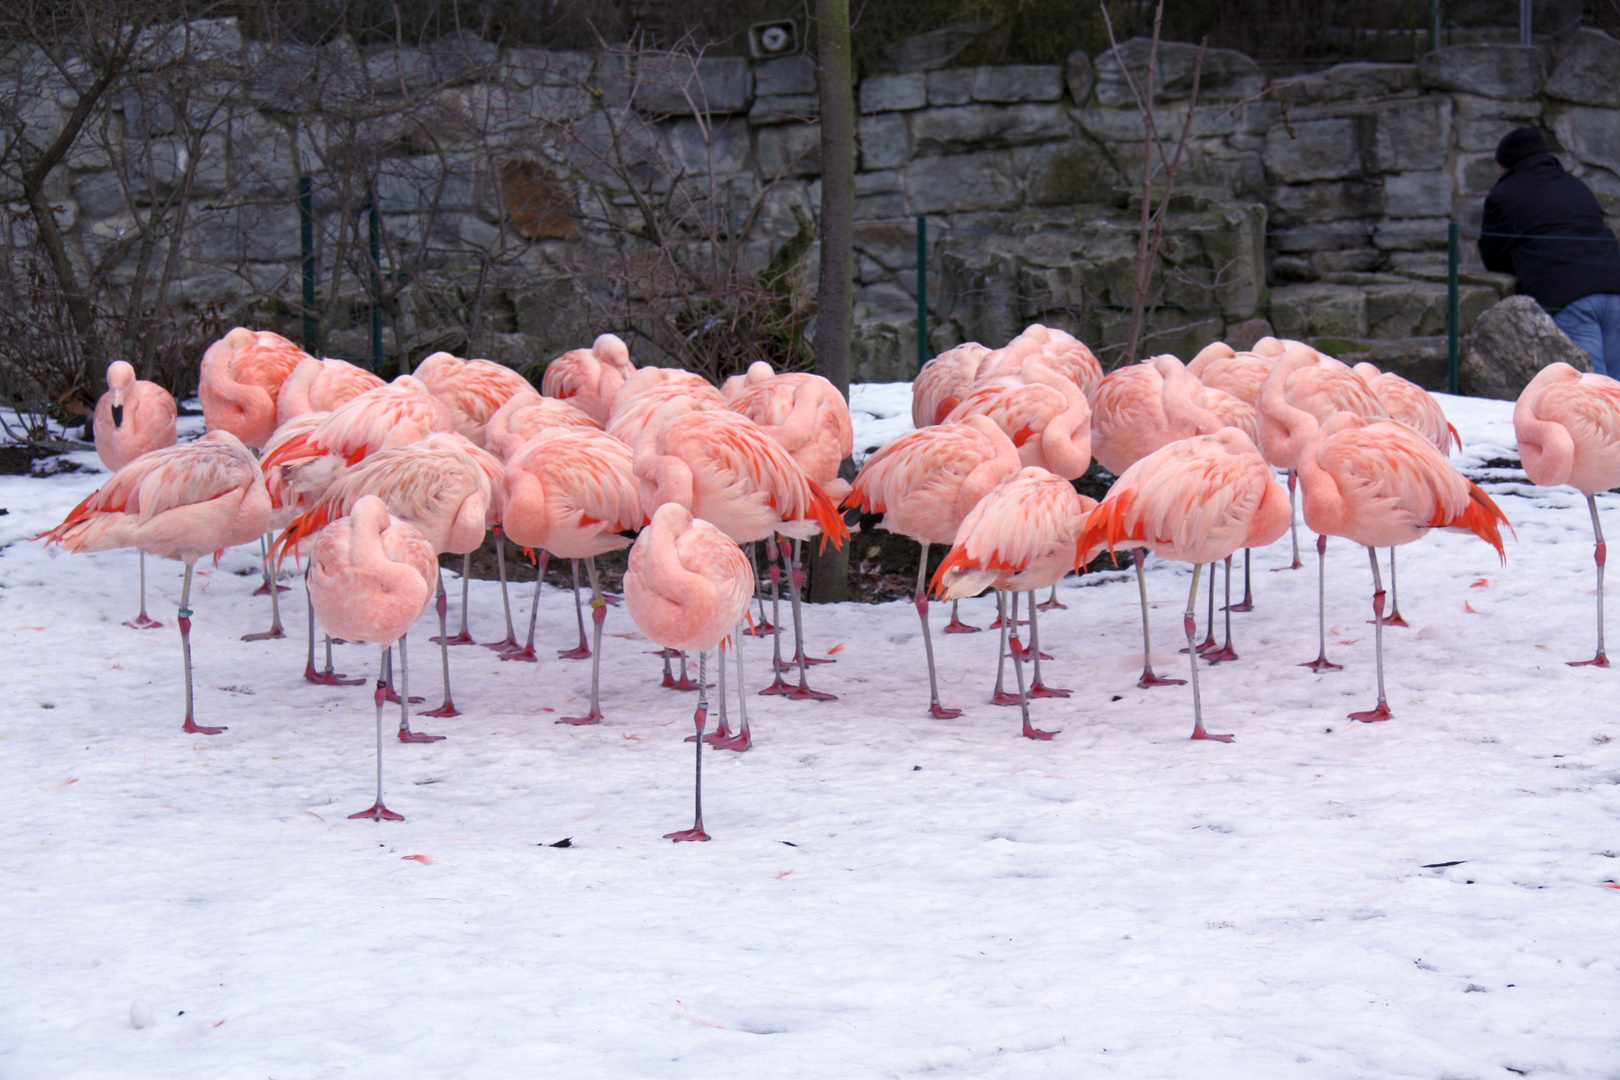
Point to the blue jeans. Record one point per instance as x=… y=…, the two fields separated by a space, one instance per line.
x=1593 y=323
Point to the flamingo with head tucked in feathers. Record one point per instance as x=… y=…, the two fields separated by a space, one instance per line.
x=590 y=378
x=942 y=382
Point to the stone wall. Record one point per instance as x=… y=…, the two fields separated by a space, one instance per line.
x=1318 y=202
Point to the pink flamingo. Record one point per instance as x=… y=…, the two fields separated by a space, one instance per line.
x=1240 y=374
x=590 y=378
x=1304 y=389
x=526 y=415
x=924 y=484
x=808 y=418
x=1136 y=411
x=1568 y=426
x=1196 y=500
x=180 y=502
x=436 y=486
x=570 y=493
x=370 y=579
x=1415 y=407
x=1058 y=350
x=1020 y=538
x=1380 y=483
x=321 y=386
x=474 y=389
x=757 y=373
x=402 y=412
x=240 y=377
x=132 y=418
x=725 y=469
x=1044 y=413
x=688 y=583
x=942 y=382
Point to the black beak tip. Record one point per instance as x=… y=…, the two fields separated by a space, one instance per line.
x=118 y=415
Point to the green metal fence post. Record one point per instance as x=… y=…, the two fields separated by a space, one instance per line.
x=1452 y=323
x=306 y=248
x=374 y=235
x=922 y=291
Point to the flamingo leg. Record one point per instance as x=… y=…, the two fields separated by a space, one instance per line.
x=743 y=740
x=1052 y=603
x=462 y=637
x=1394 y=616
x=448 y=709
x=685 y=681
x=509 y=642
x=1321 y=664
x=778 y=685
x=762 y=625
x=405 y=732
x=1600 y=555
x=669 y=676
x=270 y=586
x=1381 y=710
x=802 y=692
x=1190 y=624
x=799 y=656
x=582 y=651
x=723 y=729
x=1000 y=696
x=527 y=653
x=699 y=718
x=190 y=727
x=1030 y=731
x=920 y=598
x=1248 y=588
x=377 y=811
x=1225 y=652
x=598 y=617
x=956 y=625
x=1208 y=644
x=1038 y=688
x=1015 y=647
x=143 y=621
x=1293 y=519
x=1148 y=679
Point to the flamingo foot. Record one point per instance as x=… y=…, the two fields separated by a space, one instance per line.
x=1203 y=736
x=804 y=693
x=957 y=626
x=393 y=696
x=694 y=833
x=592 y=717
x=721 y=732
x=685 y=682
x=1394 y=619
x=1373 y=715
x=525 y=654
x=1149 y=680
x=272 y=634
x=1295 y=565
x=1037 y=734
x=1600 y=660
x=1000 y=621
x=940 y=712
x=1322 y=665
x=329 y=678
x=408 y=736
x=739 y=742
x=811 y=661
x=1001 y=697
x=612 y=599
x=779 y=686
x=581 y=651
x=462 y=638
x=1243 y=605
x=1037 y=690
x=143 y=622
x=506 y=644
x=264 y=589
x=1052 y=605
x=191 y=727
x=445 y=711
x=378 y=812
x=1221 y=655
x=763 y=628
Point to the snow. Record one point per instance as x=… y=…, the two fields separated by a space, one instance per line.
x=886 y=894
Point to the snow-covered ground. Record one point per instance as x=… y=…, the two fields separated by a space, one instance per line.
x=886 y=894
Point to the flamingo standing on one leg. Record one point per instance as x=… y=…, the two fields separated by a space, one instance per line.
x=725 y=469
x=1196 y=500
x=1301 y=393
x=687 y=584
x=178 y=503
x=1415 y=407
x=132 y=418
x=1379 y=483
x=570 y=493
x=1240 y=374
x=1568 y=426
x=590 y=378
x=924 y=483
x=1020 y=538
x=370 y=579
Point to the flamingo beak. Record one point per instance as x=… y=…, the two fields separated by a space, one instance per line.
x=118 y=416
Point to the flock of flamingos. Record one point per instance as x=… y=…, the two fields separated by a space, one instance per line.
x=370 y=482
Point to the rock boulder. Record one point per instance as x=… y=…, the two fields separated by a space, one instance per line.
x=1513 y=340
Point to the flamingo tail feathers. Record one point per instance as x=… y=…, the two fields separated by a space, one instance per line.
x=1481 y=518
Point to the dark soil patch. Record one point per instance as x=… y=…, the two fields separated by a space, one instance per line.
x=17 y=459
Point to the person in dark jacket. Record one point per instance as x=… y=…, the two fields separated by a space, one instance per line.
x=1545 y=227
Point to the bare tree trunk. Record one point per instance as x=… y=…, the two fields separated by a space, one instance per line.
x=829 y=569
